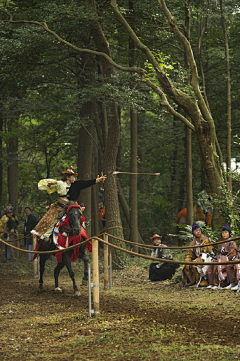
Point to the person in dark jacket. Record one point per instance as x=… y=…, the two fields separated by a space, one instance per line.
x=30 y=222
x=162 y=270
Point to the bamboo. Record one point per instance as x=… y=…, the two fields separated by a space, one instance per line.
x=106 y=266
x=35 y=262
x=95 y=276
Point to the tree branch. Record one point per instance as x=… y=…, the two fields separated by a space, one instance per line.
x=135 y=69
x=166 y=104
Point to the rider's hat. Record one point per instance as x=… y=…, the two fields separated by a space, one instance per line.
x=156 y=236
x=70 y=172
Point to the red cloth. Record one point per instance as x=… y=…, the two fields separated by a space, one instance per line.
x=89 y=246
x=36 y=248
x=182 y=213
x=75 y=239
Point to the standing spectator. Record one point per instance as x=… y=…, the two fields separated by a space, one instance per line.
x=10 y=233
x=30 y=222
x=3 y=222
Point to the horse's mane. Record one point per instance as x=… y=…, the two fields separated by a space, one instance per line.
x=65 y=208
x=68 y=204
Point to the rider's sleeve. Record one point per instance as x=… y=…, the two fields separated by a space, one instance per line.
x=59 y=187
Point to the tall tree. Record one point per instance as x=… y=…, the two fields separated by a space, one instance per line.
x=229 y=102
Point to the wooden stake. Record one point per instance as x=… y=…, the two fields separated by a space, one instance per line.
x=15 y=242
x=106 y=266
x=95 y=276
x=35 y=262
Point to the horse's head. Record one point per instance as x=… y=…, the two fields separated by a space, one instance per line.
x=74 y=213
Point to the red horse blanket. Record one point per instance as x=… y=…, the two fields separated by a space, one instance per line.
x=62 y=240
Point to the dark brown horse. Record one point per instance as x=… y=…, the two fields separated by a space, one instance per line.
x=73 y=230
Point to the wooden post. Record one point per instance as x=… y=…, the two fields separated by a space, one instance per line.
x=95 y=276
x=13 y=239
x=35 y=262
x=106 y=266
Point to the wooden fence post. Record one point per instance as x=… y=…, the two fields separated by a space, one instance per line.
x=95 y=276
x=35 y=262
x=106 y=265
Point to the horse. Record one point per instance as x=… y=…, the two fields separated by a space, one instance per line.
x=70 y=232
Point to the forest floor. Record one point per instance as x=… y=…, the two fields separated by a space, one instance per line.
x=138 y=320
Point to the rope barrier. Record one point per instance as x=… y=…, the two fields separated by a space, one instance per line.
x=170 y=247
x=165 y=260
x=129 y=252
x=47 y=252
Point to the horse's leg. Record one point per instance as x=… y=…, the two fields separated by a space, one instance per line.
x=68 y=264
x=84 y=257
x=57 y=270
x=42 y=262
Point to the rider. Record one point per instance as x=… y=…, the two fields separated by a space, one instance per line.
x=229 y=249
x=190 y=274
x=68 y=190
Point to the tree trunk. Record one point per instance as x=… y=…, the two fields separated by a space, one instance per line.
x=12 y=152
x=188 y=132
x=113 y=219
x=229 y=102
x=125 y=208
x=1 y=154
x=189 y=176
x=85 y=159
x=133 y=182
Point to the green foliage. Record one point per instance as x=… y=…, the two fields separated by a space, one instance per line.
x=45 y=84
x=229 y=203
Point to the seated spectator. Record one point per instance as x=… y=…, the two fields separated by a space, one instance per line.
x=218 y=274
x=163 y=270
x=190 y=274
x=237 y=273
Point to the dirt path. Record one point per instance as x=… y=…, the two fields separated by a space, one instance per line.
x=139 y=320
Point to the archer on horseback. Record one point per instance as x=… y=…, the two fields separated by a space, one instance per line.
x=68 y=190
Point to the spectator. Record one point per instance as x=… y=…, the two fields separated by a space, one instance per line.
x=10 y=233
x=190 y=275
x=30 y=222
x=163 y=270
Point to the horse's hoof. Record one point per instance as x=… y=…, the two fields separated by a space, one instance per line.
x=77 y=293
x=58 y=290
x=84 y=282
x=40 y=288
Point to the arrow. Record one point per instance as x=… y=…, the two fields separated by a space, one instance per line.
x=117 y=172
